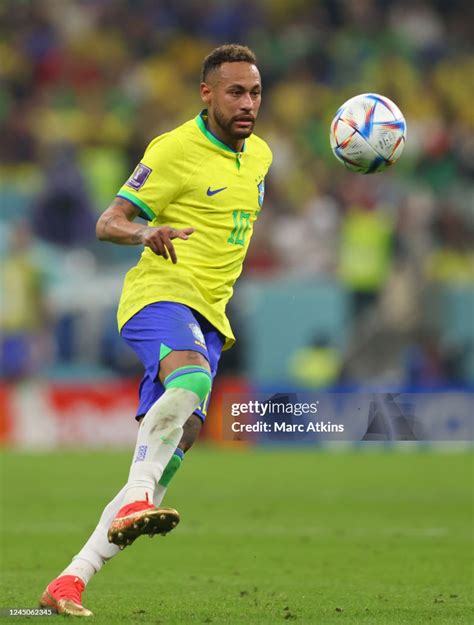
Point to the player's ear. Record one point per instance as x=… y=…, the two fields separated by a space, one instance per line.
x=205 y=93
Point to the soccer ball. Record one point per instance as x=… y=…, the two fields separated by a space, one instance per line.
x=368 y=133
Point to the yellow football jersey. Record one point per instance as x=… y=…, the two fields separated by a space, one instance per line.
x=188 y=178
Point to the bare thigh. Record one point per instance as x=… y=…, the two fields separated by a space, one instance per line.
x=177 y=359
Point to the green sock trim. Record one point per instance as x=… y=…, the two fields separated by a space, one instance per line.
x=198 y=367
x=170 y=469
x=192 y=378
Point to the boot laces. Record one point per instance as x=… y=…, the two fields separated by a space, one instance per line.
x=70 y=588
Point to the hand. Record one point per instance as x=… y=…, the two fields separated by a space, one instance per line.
x=159 y=240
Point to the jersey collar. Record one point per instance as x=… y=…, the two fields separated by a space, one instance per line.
x=200 y=121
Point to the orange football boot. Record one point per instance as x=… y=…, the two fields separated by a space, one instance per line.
x=63 y=594
x=138 y=518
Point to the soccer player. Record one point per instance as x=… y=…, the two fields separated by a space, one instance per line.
x=201 y=187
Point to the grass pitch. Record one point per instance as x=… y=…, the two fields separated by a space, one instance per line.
x=267 y=537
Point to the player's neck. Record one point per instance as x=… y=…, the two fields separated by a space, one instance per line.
x=232 y=142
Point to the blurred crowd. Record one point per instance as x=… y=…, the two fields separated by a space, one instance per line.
x=86 y=84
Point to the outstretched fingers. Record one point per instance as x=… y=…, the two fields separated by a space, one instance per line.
x=160 y=240
x=171 y=233
x=184 y=233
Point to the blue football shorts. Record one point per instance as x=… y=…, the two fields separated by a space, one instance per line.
x=160 y=328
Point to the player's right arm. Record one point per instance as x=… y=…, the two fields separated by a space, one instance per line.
x=116 y=225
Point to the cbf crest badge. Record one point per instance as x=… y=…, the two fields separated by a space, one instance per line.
x=261 y=192
x=197 y=333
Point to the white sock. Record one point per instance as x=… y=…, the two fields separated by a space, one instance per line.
x=178 y=404
x=160 y=492
x=97 y=550
x=158 y=436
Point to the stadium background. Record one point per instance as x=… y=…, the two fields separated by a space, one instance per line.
x=350 y=280
x=351 y=283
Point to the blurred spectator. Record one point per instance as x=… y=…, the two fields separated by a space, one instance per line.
x=23 y=314
x=365 y=254
x=63 y=213
x=452 y=260
x=429 y=366
x=318 y=365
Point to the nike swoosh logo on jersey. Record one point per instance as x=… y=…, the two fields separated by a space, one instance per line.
x=214 y=191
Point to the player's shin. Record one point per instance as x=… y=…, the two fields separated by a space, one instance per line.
x=97 y=549
x=161 y=430
x=173 y=465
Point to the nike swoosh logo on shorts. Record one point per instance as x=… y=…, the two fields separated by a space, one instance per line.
x=214 y=191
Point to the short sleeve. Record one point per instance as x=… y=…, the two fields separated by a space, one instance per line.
x=158 y=178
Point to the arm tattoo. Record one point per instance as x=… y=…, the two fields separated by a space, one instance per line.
x=114 y=223
x=106 y=222
x=136 y=237
x=129 y=209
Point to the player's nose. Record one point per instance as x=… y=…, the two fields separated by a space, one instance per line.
x=246 y=102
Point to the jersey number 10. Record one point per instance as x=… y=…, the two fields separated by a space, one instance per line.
x=241 y=225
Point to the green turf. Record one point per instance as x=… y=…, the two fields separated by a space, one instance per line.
x=380 y=538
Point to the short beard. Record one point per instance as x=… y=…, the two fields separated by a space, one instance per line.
x=226 y=126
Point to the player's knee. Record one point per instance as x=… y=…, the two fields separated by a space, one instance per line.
x=192 y=378
x=186 y=388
